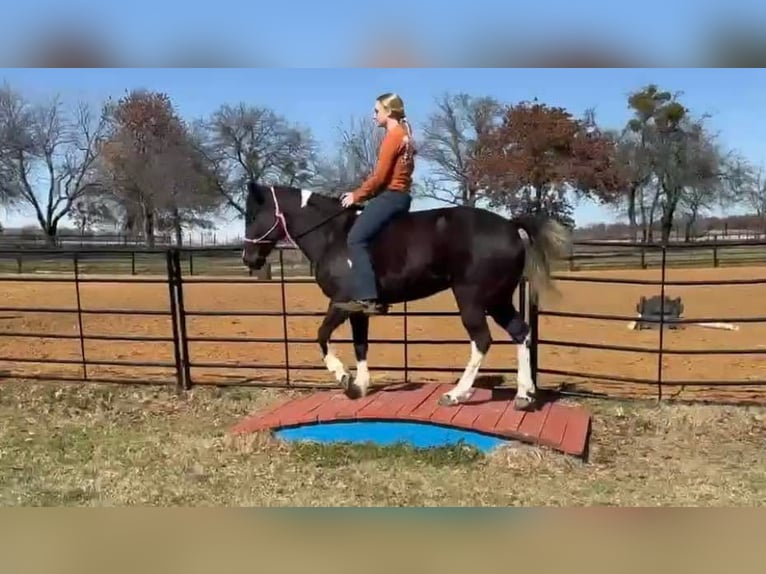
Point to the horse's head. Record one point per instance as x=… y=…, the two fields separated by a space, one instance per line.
x=264 y=225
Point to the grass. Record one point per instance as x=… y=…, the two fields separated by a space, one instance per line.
x=91 y=445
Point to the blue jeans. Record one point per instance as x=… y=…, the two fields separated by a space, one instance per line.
x=377 y=213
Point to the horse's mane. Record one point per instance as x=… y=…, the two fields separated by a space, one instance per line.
x=324 y=200
x=327 y=204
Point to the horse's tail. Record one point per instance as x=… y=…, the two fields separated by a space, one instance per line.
x=547 y=240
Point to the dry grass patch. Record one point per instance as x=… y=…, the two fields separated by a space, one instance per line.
x=107 y=445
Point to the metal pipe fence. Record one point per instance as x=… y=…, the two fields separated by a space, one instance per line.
x=586 y=255
x=178 y=275
x=659 y=381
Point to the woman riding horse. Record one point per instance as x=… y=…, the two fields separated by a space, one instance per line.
x=389 y=185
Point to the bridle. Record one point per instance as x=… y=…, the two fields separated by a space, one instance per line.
x=279 y=218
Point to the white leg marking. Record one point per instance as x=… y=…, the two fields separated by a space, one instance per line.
x=349 y=263
x=305 y=194
x=525 y=385
x=335 y=365
x=463 y=387
x=362 y=376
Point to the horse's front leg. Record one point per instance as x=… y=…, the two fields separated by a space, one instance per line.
x=332 y=320
x=360 y=328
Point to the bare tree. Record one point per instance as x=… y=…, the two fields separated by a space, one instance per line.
x=249 y=143
x=190 y=194
x=448 y=144
x=633 y=159
x=750 y=190
x=681 y=169
x=93 y=211
x=52 y=145
x=358 y=145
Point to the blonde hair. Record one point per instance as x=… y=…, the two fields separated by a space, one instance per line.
x=394 y=105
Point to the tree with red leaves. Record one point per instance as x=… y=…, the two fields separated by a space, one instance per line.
x=538 y=154
x=143 y=125
x=158 y=175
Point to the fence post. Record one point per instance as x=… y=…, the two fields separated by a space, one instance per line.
x=180 y=384
x=534 y=325
x=572 y=256
x=284 y=315
x=76 y=264
x=662 y=321
x=406 y=346
x=181 y=311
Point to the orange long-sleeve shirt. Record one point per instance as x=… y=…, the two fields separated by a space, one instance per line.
x=394 y=168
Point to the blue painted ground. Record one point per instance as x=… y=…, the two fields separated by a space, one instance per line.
x=386 y=433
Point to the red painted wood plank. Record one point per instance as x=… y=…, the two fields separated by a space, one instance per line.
x=509 y=422
x=424 y=411
x=532 y=424
x=271 y=416
x=576 y=434
x=555 y=426
x=478 y=404
x=444 y=415
x=383 y=406
x=490 y=415
x=335 y=406
x=354 y=406
x=255 y=422
x=300 y=412
x=413 y=399
x=397 y=387
x=447 y=415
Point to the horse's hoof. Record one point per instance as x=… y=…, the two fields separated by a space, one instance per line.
x=447 y=400
x=345 y=381
x=354 y=391
x=524 y=404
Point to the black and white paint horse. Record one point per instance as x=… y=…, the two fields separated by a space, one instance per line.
x=479 y=255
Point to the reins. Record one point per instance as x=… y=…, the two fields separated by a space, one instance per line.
x=279 y=217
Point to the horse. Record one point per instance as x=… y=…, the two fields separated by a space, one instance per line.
x=478 y=254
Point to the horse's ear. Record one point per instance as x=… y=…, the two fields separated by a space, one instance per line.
x=255 y=192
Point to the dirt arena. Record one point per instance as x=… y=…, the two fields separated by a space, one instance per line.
x=700 y=301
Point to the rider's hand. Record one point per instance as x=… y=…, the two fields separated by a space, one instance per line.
x=347 y=200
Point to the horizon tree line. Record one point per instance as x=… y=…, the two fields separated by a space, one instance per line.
x=136 y=165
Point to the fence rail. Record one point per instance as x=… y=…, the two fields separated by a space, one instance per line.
x=177 y=274
x=224 y=259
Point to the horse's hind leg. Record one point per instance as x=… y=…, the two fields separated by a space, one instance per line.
x=360 y=328
x=472 y=315
x=507 y=317
x=332 y=320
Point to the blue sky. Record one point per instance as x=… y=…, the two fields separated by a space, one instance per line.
x=321 y=98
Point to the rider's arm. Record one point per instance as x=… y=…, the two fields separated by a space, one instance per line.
x=389 y=149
